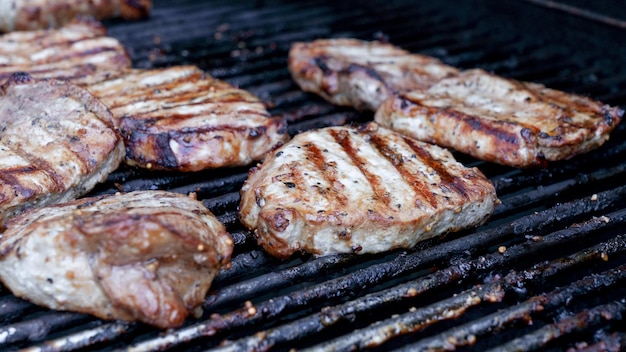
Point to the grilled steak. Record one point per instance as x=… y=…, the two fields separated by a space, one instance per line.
x=147 y=256
x=501 y=120
x=362 y=190
x=180 y=118
x=80 y=52
x=56 y=142
x=19 y=15
x=361 y=74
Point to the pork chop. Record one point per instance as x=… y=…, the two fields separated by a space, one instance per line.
x=56 y=142
x=148 y=256
x=361 y=190
x=180 y=118
x=21 y=15
x=361 y=74
x=501 y=120
x=80 y=52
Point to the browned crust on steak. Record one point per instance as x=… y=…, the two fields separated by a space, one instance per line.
x=57 y=142
x=360 y=190
x=361 y=74
x=80 y=52
x=148 y=256
x=501 y=120
x=38 y=14
x=182 y=119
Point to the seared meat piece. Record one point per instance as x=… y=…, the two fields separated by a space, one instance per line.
x=149 y=256
x=361 y=74
x=362 y=190
x=180 y=118
x=19 y=15
x=501 y=120
x=56 y=142
x=79 y=52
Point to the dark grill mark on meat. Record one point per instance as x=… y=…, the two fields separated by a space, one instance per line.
x=321 y=63
x=77 y=44
x=470 y=121
x=396 y=159
x=342 y=137
x=213 y=123
x=479 y=125
x=8 y=177
x=89 y=52
x=371 y=72
x=447 y=181
x=328 y=171
x=42 y=165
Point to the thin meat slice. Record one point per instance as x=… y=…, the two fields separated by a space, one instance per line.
x=80 y=52
x=360 y=190
x=501 y=120
x=361 y=74
x=180 y=118
x=56 y=142
x=21 y=15
x=148 y=256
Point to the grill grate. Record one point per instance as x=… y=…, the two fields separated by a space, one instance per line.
x=547 y=272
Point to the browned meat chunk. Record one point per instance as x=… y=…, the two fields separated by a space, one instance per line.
x=361 y=74
x=501 y=120
x=56 y=142
x=180 y=118
x=362 y=190
x=20 y=15
x=148 y=256
x=80 y=52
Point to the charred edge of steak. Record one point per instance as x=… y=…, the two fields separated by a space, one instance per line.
x=612 y=115
x=19 y=77
x=136 y=140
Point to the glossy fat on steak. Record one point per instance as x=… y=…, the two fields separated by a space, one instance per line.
x=56 y=142
x=359 y=73
x=20 y=15
x=501 y=120
x=80 y=52
x=148 y=256
x=361 y=190
x=180 y=118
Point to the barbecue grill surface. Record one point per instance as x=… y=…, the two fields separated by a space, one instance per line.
x=546 y=272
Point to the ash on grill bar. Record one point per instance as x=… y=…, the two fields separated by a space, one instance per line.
x=546 y=272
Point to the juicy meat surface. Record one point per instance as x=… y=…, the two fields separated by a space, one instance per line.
x=180 y=118
x=80 y=52
x=501 y=120
x=20 y=15
x=148 y=256
x=361 y=190
x=359 y=73
x=56 y=142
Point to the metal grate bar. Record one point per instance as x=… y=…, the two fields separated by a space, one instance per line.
x=467 y=334
x=567 y=326
x=420 y=318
